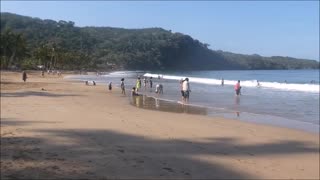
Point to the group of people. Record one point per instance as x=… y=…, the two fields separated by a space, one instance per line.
x=184 y=87
x=145 y=83
x=51 y=72
x=137 y=87
x=90 y=83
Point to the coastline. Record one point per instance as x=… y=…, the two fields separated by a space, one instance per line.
x=75 y=131
x=152 y=101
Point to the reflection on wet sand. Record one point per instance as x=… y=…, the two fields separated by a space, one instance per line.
x=162 y=105
x=237 y=103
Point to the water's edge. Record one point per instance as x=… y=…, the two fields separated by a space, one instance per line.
x=160 y=104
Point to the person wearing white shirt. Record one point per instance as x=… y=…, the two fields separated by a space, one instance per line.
x=186 y=89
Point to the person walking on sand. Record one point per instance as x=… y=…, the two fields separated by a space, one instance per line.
x=42 y=73
x=186 y=90
x=123 y=90
x=110 y=86
x=237 y=88
x=24 y=76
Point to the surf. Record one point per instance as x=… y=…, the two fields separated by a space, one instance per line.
x=314 y=88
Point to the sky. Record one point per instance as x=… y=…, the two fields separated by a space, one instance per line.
x=267 y=28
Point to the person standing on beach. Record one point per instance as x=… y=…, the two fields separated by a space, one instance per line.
x=24 y=76
x=110 y=86
x=42 y=73
x=222 y=82
x=138 y=84
x=123 y=90
x=237 y=88
x=145 y=83
x=186 y=90
x=150 y=82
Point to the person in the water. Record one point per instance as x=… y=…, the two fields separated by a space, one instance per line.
x=134 y=92
x=237 y=88
x=150 y=82
x=186 y=90
x=138 y=84
x=181 y=90
x=145 y=82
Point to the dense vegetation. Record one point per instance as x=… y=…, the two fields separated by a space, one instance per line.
x=27 y=42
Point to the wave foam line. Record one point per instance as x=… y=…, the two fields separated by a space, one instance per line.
x=248 y=83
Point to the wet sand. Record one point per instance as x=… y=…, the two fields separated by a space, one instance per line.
x=153 y=103
x=55 y=128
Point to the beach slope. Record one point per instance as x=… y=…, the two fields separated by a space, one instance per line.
x=54 y=128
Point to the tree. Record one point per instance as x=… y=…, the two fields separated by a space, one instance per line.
x=13 y=48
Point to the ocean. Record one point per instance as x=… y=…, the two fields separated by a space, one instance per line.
x=286 y=98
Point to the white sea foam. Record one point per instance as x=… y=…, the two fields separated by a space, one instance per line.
x=124 y=73
x=314 y=88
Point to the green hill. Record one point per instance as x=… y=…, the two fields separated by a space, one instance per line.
x=27 y=42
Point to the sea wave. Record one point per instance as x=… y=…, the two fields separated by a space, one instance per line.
x=125 y=73
x=314 y=88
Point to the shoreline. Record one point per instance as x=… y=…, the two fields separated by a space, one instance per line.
x=69 y=130
x=261 y=119
x=217 y=112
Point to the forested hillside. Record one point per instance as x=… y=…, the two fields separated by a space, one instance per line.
x=27 y=42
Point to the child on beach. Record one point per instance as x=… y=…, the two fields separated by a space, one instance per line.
x=237 y=88
x=133 y=92
x=123 y=90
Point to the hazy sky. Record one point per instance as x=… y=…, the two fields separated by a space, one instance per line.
x=287 y=28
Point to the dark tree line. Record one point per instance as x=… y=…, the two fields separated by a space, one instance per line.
x=27 y=42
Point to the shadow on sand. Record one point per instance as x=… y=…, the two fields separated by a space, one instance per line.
x=108 y=154
x=34 y=93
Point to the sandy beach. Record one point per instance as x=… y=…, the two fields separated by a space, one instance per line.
x=52 y=128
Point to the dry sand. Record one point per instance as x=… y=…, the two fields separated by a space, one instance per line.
x=54 y=128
